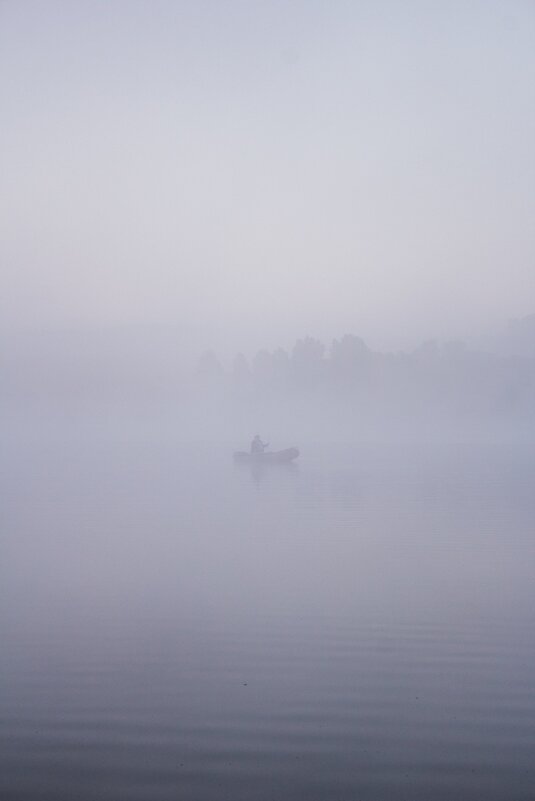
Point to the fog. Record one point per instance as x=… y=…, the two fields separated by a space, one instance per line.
x=309 y=221
x=253 y=173
x=234 y=177
x=139 y=382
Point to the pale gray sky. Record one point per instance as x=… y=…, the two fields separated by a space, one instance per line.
x=262 y=170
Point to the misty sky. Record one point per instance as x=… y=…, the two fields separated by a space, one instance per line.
x=263 y=170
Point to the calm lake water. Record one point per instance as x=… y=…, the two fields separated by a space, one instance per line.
x=357 y=626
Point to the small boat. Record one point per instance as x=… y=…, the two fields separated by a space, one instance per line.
x=268 y=457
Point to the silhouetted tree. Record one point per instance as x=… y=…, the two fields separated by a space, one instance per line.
x=350 y=358
x=281 y=365
x=263 y=367
x=434 y=382
x=241 y=372
x=308 y=361
x=428 y=350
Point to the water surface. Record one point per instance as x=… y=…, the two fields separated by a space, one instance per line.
x=357 y=626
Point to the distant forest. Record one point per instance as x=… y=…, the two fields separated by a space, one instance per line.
x=448 y=377
x=311 y=389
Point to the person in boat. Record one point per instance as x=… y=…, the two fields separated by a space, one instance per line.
x=257 y=446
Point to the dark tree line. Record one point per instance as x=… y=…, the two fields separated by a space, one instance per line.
x=448 y=376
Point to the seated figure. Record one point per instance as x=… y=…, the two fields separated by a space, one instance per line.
x=257 y=446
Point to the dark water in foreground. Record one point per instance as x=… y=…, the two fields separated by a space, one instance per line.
x=359 y=627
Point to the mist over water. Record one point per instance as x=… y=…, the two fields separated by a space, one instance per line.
x=355 y=623
x=341 y=391
x=177 y=626
x=311 y=222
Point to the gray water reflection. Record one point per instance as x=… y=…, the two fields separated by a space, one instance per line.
x=359 y=626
